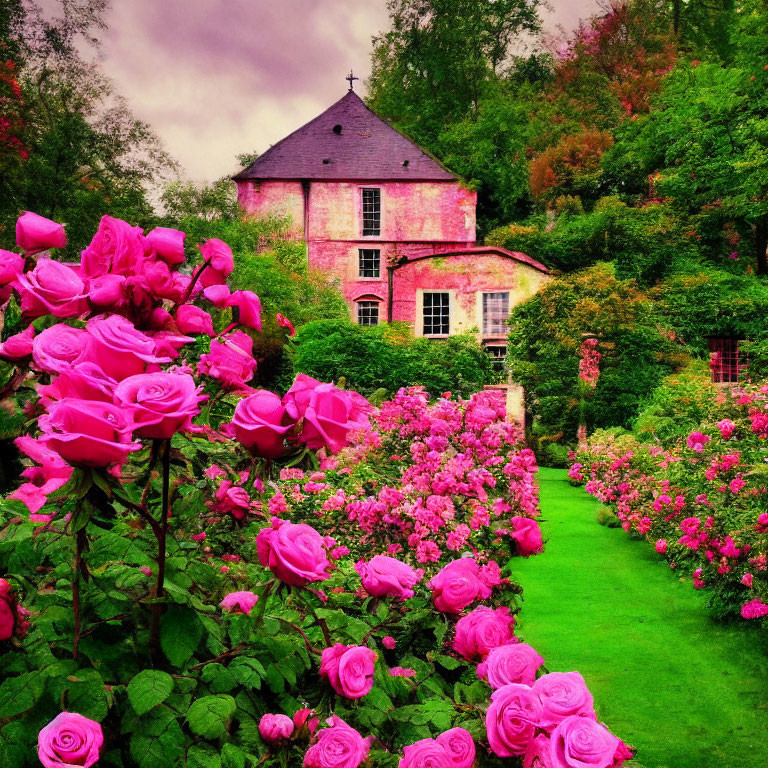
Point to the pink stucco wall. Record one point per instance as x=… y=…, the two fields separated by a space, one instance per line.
x=273 y=198
x=415 y=211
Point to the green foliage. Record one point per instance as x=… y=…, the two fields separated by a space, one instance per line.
x=544 y=344
x=148 y=689
x=387 y=357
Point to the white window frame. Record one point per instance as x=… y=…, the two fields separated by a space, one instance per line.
x=360 y=274
x=369 y=301
x=482 y=324
x=420 y=315
x=361 y=221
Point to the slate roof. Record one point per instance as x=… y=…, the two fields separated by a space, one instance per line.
x=346 y=142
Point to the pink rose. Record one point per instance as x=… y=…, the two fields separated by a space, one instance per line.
x=388 y=642
x=220 y=262
x=51 y=475
x=88 y=433
x=162 y=403
x=754 y=609
x=218 y=295
x=527 y=535
x=70 y=740
x=386 y=576
x=118 y=348
x=51 y=288
x=537 y=752
x=284 y=322
x=339 y=746
x=13 y=618
x=60 y=347
x=297 y=398
x=459 y=747
x=18 y=346
x=275 y=728
x=349 y=669
x=11 y=266
x=294 y=552
x=260 y=424
x=107 y=290
x=161 y=282
x=661 y=546
x=581 y=742
x=230 y=361
x=563 y=694
x=726 y=427
x=512 y=719
x=248 y=307
x=36 y=233
x=231 y=500
x=330 y=414
x=696 y=441
x=511 y=663
x=85 y=381
x=242 y=602
x=116 y=247
x=168 y=244
x=302 y=717
x=425 y=753
x=192 y=319
x=458 y=585
x=481 y=630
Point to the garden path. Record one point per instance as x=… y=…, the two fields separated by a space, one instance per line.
x=684 y=690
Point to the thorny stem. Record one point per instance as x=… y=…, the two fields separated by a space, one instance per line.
x=161 y=533
x=194 y=280
x=80 y=542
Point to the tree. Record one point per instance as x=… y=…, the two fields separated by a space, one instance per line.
x=86 y=154
x=441 y=57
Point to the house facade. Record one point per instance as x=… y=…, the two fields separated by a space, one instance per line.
x=394 y=225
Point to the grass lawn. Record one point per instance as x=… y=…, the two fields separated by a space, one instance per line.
x=684 y=690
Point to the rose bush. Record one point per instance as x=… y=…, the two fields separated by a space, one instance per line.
x=698 y=500
x=187 y=594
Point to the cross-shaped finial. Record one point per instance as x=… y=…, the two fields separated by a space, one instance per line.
x=351 y=78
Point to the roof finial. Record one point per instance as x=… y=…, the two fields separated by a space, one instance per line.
x=351 y=78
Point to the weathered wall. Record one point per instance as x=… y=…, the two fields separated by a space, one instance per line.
x=273 y=198
x=409 y=211
x=465 y=277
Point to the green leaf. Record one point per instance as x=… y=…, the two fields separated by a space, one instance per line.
x=232 y=757
x=86 y=695
x=180 y=632
x=148 y=689
x=15 y=745
x=18 y=694
x=209 y=716
x=447 y=661
x=202 y=757
x=218 y=678
x=248 y=671
x=158 y=742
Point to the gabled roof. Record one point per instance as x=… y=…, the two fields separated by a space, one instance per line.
x=479 y=250
x=348 y=141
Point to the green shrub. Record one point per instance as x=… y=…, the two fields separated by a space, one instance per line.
x=387 y=357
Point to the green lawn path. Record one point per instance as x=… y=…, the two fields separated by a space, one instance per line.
x=686 y=691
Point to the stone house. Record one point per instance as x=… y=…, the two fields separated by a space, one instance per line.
x=393 y=224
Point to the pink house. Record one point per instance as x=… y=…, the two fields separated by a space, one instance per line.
x=394 y=225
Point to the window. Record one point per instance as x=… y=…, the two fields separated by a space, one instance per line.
x=495 y=313
x=370 y=262
x=436 y=314
x=498 y=354
x=724 y=360
x=367 y=312
x=371 y=212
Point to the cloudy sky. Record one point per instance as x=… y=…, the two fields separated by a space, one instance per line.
x=220 y=77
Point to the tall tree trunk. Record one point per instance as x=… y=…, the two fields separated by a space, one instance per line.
x=761 y=245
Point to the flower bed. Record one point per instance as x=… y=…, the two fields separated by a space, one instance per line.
x=701 y=502
x=200 y=574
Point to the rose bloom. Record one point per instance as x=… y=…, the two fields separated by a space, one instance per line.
x=116 y=247
x=459 y=747
x=581 y=742
x=168 y=244
x=85 y=381
x=162 y=403
x=512 y=719
x=60 y=347
x=51 y=288
x=563 y=694
x=241 y=602
x=11 y=266
x=51 y=475
x=425 y=753
x=87 y=432
x=458 y=585
x=511 y=663
x=294 y=552
x=481 y=630
x=661 y=546
x=260 y=424
x=118 y=348
x=248 y=307
x=12 y=615
x=387 y=576
x=527 y=535
x=330 y=415
x=339 y=746
x=275 y=728
x=349 y=669
x=192 y=319
x=18 y=346
x=230 y=361
x=68 y=741
x=220 y=262
x=36 y=233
